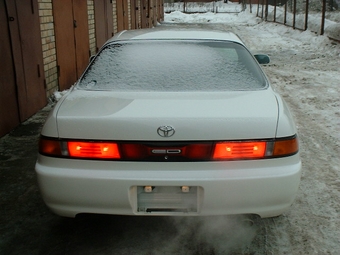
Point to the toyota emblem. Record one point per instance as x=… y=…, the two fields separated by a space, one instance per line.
x=166 y=131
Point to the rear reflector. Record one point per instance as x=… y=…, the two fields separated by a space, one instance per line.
x=93 y=150
x=50 y=147
x=239 y=150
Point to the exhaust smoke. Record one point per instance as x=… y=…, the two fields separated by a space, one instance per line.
x=211 y=235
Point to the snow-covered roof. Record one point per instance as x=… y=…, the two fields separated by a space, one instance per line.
x=178 y=34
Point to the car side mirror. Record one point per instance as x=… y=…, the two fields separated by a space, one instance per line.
x=91 y=58
x=262 y=59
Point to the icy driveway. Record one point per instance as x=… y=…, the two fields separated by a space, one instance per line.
x=305 y=69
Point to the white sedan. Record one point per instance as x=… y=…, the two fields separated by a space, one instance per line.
x=170 y=122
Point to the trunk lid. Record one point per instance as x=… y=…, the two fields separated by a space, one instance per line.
x=195 y=116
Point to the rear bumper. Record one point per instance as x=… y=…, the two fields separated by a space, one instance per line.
x=263 y=187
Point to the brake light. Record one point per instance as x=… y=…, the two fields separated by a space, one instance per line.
x=173 y=151
x=239 y=150
x=93 y=150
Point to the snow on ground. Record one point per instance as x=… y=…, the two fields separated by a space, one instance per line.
x=304 y=68
x=271 y=38
x=331 y=26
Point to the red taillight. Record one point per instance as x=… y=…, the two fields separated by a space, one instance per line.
x=97 y=150
x=172 y=151
x=239 y=150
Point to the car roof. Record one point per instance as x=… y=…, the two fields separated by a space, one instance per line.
x=175 y=34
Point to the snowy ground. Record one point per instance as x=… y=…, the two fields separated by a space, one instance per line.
x=331 y=23
x=305 y=69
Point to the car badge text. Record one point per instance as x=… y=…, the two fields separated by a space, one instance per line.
x=166 y=131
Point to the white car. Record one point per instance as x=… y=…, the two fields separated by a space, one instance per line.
x=170 y=122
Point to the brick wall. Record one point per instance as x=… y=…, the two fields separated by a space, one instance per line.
x=91 y=21
x=129 y=13
x=139 y=4
x=48 y=37
x=114 y=9
x=48 y=46
x=48 y=42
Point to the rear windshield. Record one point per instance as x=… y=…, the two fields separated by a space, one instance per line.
x=173 y=66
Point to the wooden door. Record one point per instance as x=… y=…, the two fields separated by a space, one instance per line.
x=122 y=15
x=72 y=40
x=9 y=111
x=81 y=35
x=145 y=13
x=151 y=13
x=65 y=44
x=133 y=7
x=23 y=28
x=103 y=15
x=137 y=14
x=126 y=14
x=32 y=95
x=154 y=12
x=160 y=13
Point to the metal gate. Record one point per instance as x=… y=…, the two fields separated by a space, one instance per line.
x=21 y=69
x=72 y=40
x=294 y=10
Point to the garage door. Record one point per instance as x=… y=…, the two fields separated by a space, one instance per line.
x=22 y=80
x=72 y=40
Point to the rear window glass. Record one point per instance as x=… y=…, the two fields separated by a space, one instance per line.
x=173 y=66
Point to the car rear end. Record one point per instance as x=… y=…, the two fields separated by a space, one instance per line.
x=181 y=145
x=142 y=170
x=264 y=187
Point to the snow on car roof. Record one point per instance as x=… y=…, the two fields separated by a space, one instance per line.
x=178 y=34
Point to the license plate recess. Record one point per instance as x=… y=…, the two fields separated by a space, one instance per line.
x=167 y=199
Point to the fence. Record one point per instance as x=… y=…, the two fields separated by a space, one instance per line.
x=187 y=6
x=297 y=14
x=313 y=15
